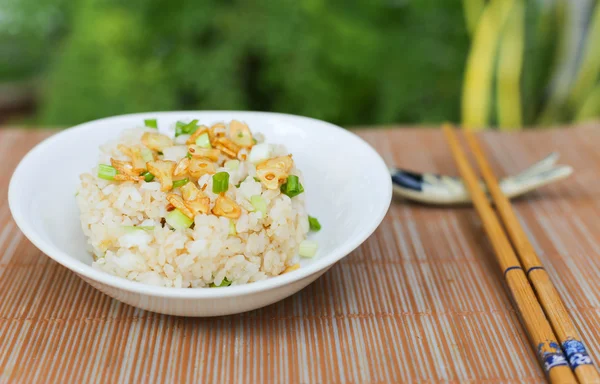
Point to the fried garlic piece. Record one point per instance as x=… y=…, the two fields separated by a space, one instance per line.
x=216 y=131
x=177 y=202
x=125 y=149
x=194 y=198
x=271 y=178
x=135 y=154
x=209 y=153
x=125 y=170
x=163 y=171
x=182 y=167
x=137 y=158
x=124 y=177
x=156 y=141
x=226 y=207
x=226 y=151
x=240 y=134
x=273 y=172
x=283 y=163
x=199 y=167
x=227 y=146
x=201 y=130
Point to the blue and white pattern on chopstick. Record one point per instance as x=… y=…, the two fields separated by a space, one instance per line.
x=553 y=357
x=576 y=353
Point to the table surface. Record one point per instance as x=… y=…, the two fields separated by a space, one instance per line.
x=420 y=300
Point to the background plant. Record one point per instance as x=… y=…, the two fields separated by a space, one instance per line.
x=354 y=63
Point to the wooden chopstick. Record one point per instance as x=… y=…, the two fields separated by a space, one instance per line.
x=561 y=322
x=536 y=325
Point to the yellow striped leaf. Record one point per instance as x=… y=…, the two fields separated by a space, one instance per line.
x=510 y=64
x=480 y=65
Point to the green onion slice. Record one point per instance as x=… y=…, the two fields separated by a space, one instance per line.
x=259 y=204
x=308 y=248
x=203 y=141
x=148 y=177
x=186 y=128
x=147 y=154
x=314 y=224
x=151 y=123
x=220 y=182
x=179 y=128
x=106 y=172
x=224 y=283
x=180 y=183
x=232 y=165
x=292 y=187
x=178 y=220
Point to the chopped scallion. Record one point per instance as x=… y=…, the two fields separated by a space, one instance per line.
x=106 y=172
x=232 y=165
x=314 y=224
x=203 y=141
x=259 y=204
x=308 y=248
x=180 y=183
x=224 y=283
x=220 y=182
x=186 y=128
x=292 y=187
x=151 y=123
x=147 y=155
x=256 y=179
x=189 y=155
x=179 y=128
x=178 y=220
x=148 y=177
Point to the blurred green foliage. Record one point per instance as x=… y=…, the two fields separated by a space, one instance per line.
x=361 y=62
x=26 y=27
x=508 y=62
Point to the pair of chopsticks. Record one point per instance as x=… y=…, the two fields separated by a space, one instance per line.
x=545 y=317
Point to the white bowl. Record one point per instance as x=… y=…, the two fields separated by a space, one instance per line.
x=347 y=184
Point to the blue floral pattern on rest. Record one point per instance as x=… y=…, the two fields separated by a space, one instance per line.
x=408 y=180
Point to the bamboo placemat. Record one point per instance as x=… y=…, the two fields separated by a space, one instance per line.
x=421 y=300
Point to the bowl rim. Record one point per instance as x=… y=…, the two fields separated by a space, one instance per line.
x=117 y=282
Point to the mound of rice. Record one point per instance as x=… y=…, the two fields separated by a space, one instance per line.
x=124 y=222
